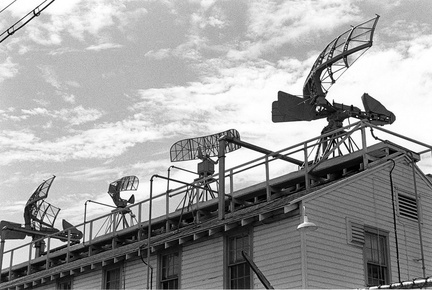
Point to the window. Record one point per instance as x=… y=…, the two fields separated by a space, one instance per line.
x=170 y=270
x=239 y=273
x=376 y=258
x=65 y=284
x=112 y=278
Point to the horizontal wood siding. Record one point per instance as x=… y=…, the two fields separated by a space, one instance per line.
x=136 y=273
x=277 y=253
x=89 y=280
x=331 y=260
x=426 y=210
x=202 y=264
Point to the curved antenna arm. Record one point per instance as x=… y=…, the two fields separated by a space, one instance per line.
x=125 y=183
x=202 y=147
x=37 y=210
x=337 y=57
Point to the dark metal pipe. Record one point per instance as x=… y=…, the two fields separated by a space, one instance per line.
x=418 y=213
x=262 y=150
x=149 y=233
x=394 y=219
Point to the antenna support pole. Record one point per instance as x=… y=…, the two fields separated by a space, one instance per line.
x=221 y=194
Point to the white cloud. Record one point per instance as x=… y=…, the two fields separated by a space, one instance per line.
x=50 y=76
x=78 y=115
x=104 y=46
x=158 y=54
x=102 y=142
x=239 y=60
x=408 y=30
x=8 y=69
x=75 y=116
x=69 y=99
x=76 y=17
x=276 y=23
x=35 y=111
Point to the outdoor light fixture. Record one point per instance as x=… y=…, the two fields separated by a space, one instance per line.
x=306 y=225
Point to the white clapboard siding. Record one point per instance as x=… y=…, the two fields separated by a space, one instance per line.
x=89 y=280
x=426 y=206
x=135 y=272
x=202 y=264
x=277 y=253
x=366 y=198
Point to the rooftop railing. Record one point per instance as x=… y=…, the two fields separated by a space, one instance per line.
x=182 y=197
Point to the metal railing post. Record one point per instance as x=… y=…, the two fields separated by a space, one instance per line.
x=221 y=193
x=149 y=232
x=306 y=166
x=364 y=147
x=267 y=173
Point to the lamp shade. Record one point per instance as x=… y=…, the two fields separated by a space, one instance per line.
x=306 y=225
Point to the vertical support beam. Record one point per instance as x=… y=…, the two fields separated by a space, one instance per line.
x=68 y=246
x=221 y=194
x=47 y=256
x=197 y=218
x=149 y=233
x=10 y=264
x=29 y=259
x=85 y=222
x=231 y=175
x=91 y=231
x=267 y=173
x=114 y=222
x=306 y=166
x=2 y=243
x=364 y=148
x=140 y=212
x=167 y=224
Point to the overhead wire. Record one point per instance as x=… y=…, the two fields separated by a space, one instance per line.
x=25 y=19
x=1 y=11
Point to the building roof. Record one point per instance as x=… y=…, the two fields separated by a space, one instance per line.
x=247 y=206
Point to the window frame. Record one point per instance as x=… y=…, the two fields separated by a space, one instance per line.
x=228 y=265
x=160 y=278
x=386 y=252
x=110 y=268
x=62 y=281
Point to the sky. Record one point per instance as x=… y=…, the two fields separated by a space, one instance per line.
x=98 y=89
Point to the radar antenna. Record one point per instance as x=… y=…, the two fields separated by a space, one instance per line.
x=125 y=183
x=202 y=148
x=331 y=63
x=37 y=212
x=39 y=219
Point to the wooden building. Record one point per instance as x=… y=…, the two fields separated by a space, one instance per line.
x=372 y=207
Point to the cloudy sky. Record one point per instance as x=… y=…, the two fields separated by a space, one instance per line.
x=94 y=90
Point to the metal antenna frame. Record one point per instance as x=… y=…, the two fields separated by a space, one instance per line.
x=39 y=219
x=331 y=63
x=126 y=183
x=120 y=210
x=38 y=212
x=201 y=148
x=195 y=148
